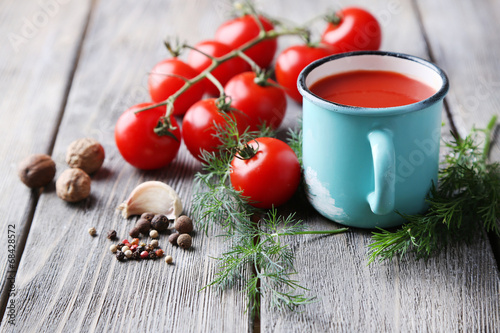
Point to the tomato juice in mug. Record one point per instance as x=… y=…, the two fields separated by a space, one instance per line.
x=371 y=126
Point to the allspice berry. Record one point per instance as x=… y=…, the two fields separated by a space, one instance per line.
x=134 y=232
x=143 y=225
x=148 y=216
x=73 y=185
x=184 y=241
x=160 y=222
x=183 y=224
x=37 y=170
x=86 y=154
x=173 y=238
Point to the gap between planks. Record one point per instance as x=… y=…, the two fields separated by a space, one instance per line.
x=35 y=193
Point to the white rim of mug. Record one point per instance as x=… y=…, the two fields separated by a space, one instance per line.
x=358 y=110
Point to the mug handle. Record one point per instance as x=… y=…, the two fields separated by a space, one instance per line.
x=381 y=200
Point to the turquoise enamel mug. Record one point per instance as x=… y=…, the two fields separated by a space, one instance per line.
x=363 y=167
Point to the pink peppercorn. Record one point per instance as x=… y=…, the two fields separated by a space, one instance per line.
x=144 y=254
x=126 y=242
x=133 y=247
x=159 y=253
x=135 y=241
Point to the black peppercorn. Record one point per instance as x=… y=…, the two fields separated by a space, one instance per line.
x=120 y=255
x=111 y=234
x=152 y=255
x=119 y=246
x=160 y=222
x=140 y=249
x=148 y=216
x=136 y=255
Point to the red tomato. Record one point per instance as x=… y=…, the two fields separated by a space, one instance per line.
x=224 y=71
x=163 y=82
x=198 y=127
x=292 y=61
x=241 y=30
x=270 y=177
x=263 y=103
x=139 y=144
x=356 y=30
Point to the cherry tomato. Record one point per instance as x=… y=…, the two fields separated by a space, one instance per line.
x=241 y=30
x=292 y=61
x=164 y=81
x=139 y=144
x=224 y=71
x=270 y=177
x=262 y=101
x=355 y=29
x=198 y=129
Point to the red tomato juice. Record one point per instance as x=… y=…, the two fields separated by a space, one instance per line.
x=371 y=89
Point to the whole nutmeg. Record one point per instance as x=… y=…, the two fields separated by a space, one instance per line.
x=73 y=185
x=134 y=232
x=37 y=170
x=183 y=224
x=173 y=238
x=143 y=225
x=184 y=241
x=86 y=154
x=160 y=222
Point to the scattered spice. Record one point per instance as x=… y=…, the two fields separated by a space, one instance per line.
x=169 y=259
x=144 y=254
x=125 y=248
x=143 y=225
x=154 y=243
x=153 y=234
x=184 y=224
x=92 y=232
x=184 y=241
x=135 y=241
x=113 y=248
x=111 y=234
x=173 y=238
x=128 y=253
x=148 y=216
x=37 y=170
x=152 y=255
x=159 y=253
x=120 y=255
x=134 y=232
x=160 y=222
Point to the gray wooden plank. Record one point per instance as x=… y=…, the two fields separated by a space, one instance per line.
x=456 y=291
x=69 y=281
x=37 y=58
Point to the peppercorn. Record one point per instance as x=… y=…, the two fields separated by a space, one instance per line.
x=125 y=248
x=184 y=241
x=119 y=246
x=113 y=248
x=135 y=241
x=183 y=224
x=111 y=234
x=160 y=222
x=173 y=238
x=143 y=225
x=144 y=254
x=148 y=216
x=140 y=249
x=120 y=255
x=169 y=259
x=134 y=232
x=133 y=247
x=126 y=242
x=149 y=247
x=136 y=255
x=142 y=244
x=159 y=253
x=153 y=234
x=128 y=253
x=152 y=255
x=92 y=232
x=154 y=243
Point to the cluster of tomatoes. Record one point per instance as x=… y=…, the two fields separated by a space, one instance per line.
x=251 y=99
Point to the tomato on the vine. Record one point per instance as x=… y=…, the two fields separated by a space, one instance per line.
x=241 y=30
x=292 y=61
x=352 y=29
x=270 y=176
x=198 y=126
x=139 y=144
x=258 y=97
x=166 y=78
x=224 y=71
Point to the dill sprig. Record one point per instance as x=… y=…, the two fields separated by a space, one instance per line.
x=467 y=195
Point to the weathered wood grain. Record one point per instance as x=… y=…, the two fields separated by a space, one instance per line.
x=37 y=59
x=69 y=281
x=457 y=291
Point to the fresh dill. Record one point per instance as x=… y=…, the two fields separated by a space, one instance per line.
x=467 y=196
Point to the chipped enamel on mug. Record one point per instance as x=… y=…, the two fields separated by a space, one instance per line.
x=363 y=165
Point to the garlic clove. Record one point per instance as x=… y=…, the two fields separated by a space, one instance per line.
x=154 y=197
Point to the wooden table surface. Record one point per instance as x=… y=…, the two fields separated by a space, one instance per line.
x=68 y=69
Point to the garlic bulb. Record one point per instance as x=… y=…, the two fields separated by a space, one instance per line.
x=153 y=197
